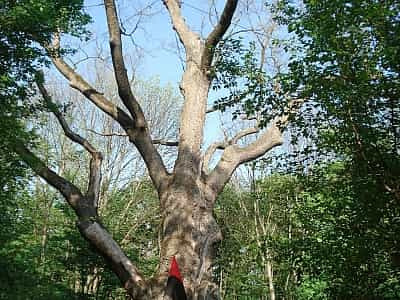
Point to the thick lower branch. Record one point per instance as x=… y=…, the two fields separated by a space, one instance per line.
x=234 y=156
x=89 y=225
x=121 y=265
x=65 y=187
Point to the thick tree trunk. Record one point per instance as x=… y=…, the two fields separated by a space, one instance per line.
x=189 y=232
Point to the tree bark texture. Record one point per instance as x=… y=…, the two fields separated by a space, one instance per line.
x=189 y=232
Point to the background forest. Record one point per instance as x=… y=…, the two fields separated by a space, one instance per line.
x=318 y=218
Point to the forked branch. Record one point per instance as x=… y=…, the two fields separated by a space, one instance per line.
x=121 y=76
x=93 y=191
x=243 y=133
x=70 y=192
x=186 y=36
x=140 y=136
x=88 y=223
x=208 y=155
x=234 y=155
x=165 y=143
x=223 y=145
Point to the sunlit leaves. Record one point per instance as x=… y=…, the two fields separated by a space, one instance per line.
x=246 y=88
x=25 y=27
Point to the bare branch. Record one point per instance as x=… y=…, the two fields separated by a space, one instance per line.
x=78 y=83
x=121 y=76
x=243 y=133
x=211 y=110
x=154 y=141
x=210 y=153
x=70 y=192
x=218 y=32
x=223 y=24
x=186 y=36
x=223 y=145
x=67 y=130
x=270 y=138
x=107 y=134
x=93 y=191
x=165 y=142
x=139 y=136
x=228 y=103
x=235 y=155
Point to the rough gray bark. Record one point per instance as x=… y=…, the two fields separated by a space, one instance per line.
x=188 y=194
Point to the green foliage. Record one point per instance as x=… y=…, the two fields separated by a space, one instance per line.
x=257 y=228
x=323 y=242
x=350 y=242
x=248 y=88
x=312 y=289
x=347 y=68
x=25 y=27
x=22 y=275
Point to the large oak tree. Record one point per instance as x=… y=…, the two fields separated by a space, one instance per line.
x=187 y=194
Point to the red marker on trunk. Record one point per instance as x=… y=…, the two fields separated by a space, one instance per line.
x=175 y=288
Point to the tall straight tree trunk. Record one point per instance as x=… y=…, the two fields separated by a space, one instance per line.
x=270 y=276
